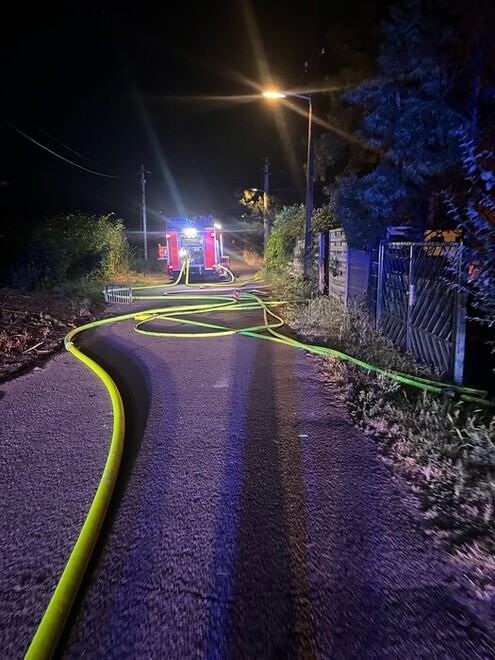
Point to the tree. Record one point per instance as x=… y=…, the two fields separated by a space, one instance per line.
x=363 y=204
x=434 y=79
x=351 y=48
x=407 y=115
x=475 y=216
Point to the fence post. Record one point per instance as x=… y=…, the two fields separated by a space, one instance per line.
x=459 y=329
x=347 y=275
x=322 y=258
x=410 y=298
x=379 y=285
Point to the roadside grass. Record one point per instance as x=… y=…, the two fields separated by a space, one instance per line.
x=252 y=258
x=136 y=278
x=34 y=321
x=443 y=448
x=90 y=292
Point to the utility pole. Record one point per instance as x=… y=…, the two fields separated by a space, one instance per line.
x=143 y=210
x=266 y=189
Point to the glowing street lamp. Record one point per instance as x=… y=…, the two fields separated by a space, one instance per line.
x=274 y=95
x=310 y=165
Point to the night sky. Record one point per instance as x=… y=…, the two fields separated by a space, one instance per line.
x=111 y=87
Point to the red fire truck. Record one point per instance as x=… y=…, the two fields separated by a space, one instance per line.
x=198 y=241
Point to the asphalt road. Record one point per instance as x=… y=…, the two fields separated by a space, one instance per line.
x=251 y=519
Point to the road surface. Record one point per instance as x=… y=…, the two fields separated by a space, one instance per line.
x=251 y=519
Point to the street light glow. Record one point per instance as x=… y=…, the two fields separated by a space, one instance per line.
x=274 y=95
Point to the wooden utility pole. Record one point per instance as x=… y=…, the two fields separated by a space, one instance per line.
x=143 y=210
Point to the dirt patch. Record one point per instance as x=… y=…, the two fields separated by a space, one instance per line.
x=33 y=327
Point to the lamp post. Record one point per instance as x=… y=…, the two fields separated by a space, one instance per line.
x=310 y=166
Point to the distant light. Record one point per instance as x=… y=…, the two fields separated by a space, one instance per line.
x=190 y=232
x=274 y=95
x=217 y=225
x=183 y=253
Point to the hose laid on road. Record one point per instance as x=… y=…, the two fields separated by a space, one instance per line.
x=50 y=629
x=203 y=285
x=184 y=273
x=47 y=636
x=178 y=315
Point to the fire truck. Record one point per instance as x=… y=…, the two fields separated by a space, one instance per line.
x=198 y=241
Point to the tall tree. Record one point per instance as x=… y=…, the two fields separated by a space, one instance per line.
x=351 y=46
x=407 y=115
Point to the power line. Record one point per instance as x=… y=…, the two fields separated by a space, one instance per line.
x=108 y=176
x=90 y=160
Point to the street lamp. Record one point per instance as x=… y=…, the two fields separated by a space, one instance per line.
x=310 y=166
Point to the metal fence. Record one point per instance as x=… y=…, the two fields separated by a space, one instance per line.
x=117 y=293
x=418 y=306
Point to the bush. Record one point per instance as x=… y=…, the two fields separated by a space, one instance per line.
x=324 y=219
x=72 y=247
x=288 y=228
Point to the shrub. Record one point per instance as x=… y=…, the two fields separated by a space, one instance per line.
x=324 y=219
x=71 y=248
x=288 y=228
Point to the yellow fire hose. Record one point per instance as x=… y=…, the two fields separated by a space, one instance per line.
x=50 y=629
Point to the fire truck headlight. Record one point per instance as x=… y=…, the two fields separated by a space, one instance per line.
x=190 y=232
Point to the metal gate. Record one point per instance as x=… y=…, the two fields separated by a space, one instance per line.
x=418 y=305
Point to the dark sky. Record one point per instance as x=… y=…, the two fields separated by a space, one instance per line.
x=117 y=85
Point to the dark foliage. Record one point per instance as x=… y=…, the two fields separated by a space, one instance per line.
x=434 y=83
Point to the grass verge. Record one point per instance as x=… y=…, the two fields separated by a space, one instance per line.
x=443 y=448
